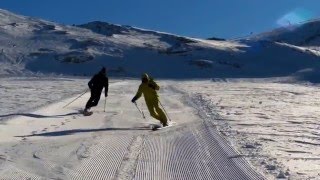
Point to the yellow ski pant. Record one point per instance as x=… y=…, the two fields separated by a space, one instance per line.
x=156 y=111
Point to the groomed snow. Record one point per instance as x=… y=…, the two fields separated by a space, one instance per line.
x=272 y=125
x=59 y=143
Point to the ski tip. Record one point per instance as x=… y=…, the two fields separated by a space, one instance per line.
x=155 y=127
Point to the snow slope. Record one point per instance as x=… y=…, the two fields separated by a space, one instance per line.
x=302 y=34
x=272 y=125
x=30 y=46
x=60 y=143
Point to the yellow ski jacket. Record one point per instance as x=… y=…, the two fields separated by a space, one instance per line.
x=149 y=91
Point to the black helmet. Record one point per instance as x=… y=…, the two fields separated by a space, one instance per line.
x=103 y=70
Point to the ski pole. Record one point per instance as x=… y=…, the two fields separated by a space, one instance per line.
x=140 y=110
x=75 y=99
x=105 y=101
x=164 y=110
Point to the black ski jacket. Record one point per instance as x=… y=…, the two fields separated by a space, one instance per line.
x=98 y=82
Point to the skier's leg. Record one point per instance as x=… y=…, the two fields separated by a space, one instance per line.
x=152 y=111
x=90 y=101
x=156 y=112
x=162 y=116
x=96 y=99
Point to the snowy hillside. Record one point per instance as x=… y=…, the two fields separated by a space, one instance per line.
x=30 y=46
x=305 y=34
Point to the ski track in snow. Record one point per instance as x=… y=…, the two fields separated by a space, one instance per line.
x=20 y=95
x=116 y=144
x=272 y=125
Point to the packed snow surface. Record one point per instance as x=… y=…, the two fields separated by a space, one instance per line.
x=60 y=143
x=271 y=125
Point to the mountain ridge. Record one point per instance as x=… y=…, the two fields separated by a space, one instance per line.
x=34 y=46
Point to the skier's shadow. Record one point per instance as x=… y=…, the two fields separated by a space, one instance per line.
x=38 y=115
x=74 y=131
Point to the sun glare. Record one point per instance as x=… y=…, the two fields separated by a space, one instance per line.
x=295 y=17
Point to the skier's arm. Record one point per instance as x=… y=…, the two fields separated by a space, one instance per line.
x=153 y=84
x=138 y=95
x=106 y=87
x=90 y=83
x=157 y=87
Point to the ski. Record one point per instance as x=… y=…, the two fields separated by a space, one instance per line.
x=85 y=113
x=155 y=127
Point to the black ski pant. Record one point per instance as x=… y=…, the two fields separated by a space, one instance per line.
x=94 y=99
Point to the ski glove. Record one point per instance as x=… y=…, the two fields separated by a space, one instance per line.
x=133 y=99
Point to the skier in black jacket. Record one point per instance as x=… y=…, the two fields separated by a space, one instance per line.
x=96 y=84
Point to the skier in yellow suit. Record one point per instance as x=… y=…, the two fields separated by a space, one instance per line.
x=149 y=89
